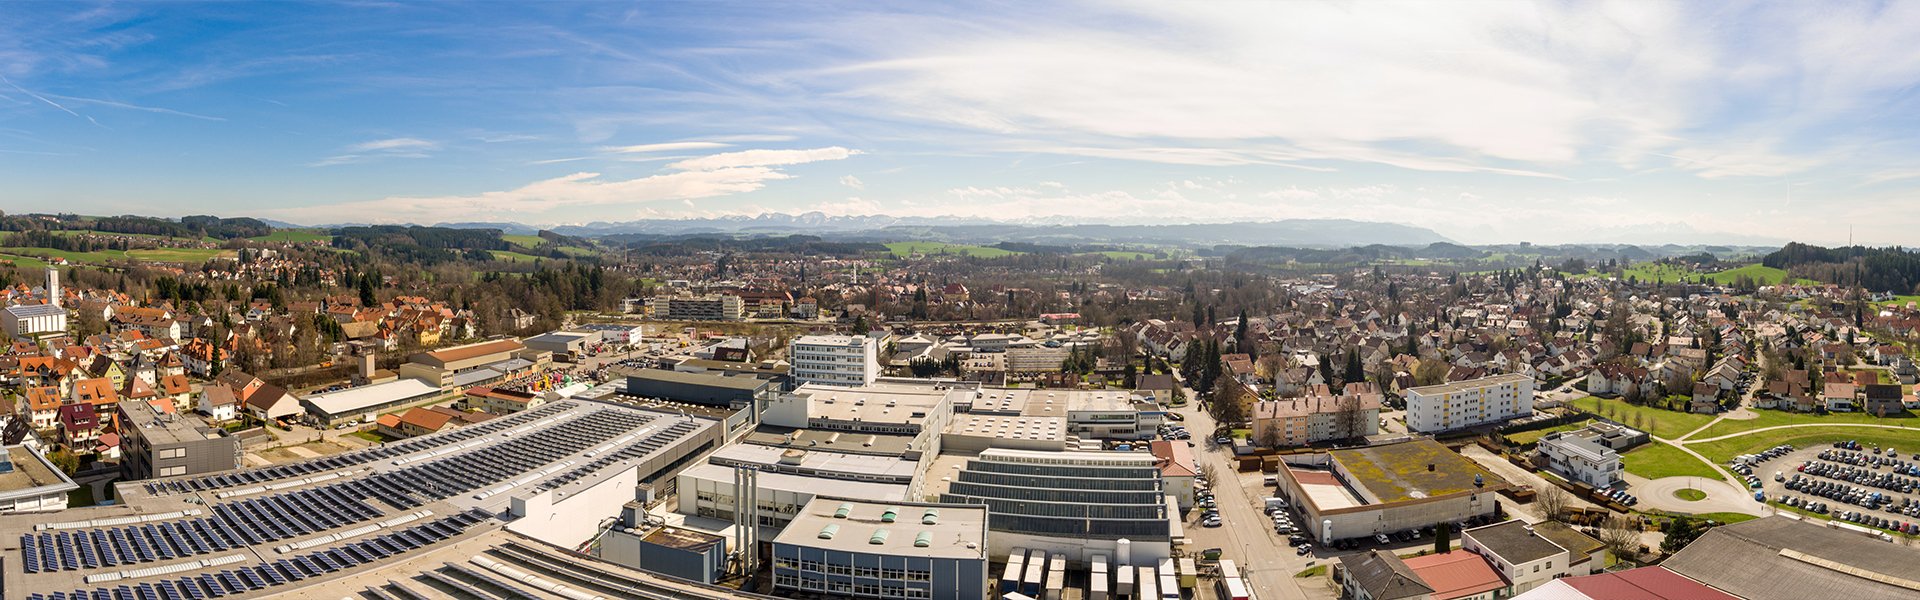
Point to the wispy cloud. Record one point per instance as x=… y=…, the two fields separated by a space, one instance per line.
x=853 y=182
x=762 y=158
x=399 y=144
x=385 y=148
x=664 y=147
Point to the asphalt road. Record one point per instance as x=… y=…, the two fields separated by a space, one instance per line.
x=1247 y=537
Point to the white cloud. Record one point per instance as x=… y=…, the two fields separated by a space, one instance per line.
x=853 y=182
x=728 y=174
x=664 y=147
x=762 y=158
x=394 y=145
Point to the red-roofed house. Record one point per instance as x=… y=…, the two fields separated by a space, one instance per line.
x=1177 y=469
x=1457 y=576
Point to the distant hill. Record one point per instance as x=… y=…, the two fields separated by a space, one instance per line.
x=1291 y=232
x=506 y=228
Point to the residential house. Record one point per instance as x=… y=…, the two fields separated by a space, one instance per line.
x=1840 y=397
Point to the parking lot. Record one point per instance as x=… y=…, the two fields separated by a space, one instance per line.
x=1877 y=487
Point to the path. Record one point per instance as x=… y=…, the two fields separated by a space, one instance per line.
x=1751 y=431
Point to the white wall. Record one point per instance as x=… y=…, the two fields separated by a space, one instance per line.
x=569 y=521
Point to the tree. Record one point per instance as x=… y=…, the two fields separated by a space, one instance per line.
x=1228 y=404
x=1680 y=532
x=1553 y=503
x=66 y=460
x=1620 y=535
x=1443 y=537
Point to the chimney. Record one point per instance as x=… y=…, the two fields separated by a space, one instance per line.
x=53 y=286
x=1429 y=467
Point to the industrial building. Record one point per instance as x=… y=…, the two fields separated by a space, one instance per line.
x=363 y=404
x=1388 y=488
x=1074 y=504
x=1784 y=558
x=482 y=363
x=712 y=388
x=565 y=346
x=31 y=483
x=848 y=547
x=514 y=491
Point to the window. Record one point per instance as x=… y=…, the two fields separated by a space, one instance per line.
x=172 y=471
x=1536 y=568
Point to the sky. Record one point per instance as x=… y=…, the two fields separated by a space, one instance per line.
x=1489 y=122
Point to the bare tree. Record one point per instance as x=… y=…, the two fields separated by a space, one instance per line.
x=1621 y=537
x=1553 y=503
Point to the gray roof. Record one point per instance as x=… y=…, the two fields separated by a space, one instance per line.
x=1777 y=558
x=1515 y=542
x=1384 y=576
x=740 y=382
x=23 y=311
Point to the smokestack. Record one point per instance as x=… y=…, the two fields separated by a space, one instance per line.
x=53 y=286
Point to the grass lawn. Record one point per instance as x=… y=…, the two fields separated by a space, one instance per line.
x=181 y=255
x=1763 y=274
x=370 y=436
x=24 y=262
x=1898 y=301
x=1690 y=495
x=514 y=257
x=903 y=249
x=1656 y=460
x=1771 y=418
x=527 y=241
x=1723 y=518
x=1126 y=255
x=1722 y=451
x=577 y=251
x=99 y=256
x=1527 y=437
x=1313 y=571
x=80 y=497
x=295 y=235
x=1661 y=423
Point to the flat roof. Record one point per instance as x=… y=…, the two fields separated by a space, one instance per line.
x=31 y=475
x=561 y=337
x=1400 y=471
x=1009 y=427
x=166 y=428
x=746 y=383
x=1515 y=541
x=818 y=459
x=956 y=531
x=1781 y=558
x=458 y=353
x=801 y=484
x=24 y=311
x=894 y=444
x=681 y=538
x=1461 y=386
x=363 y=397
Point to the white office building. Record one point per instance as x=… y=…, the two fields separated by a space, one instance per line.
x=1463 y=404
x=1576 y=456
x=843 y=360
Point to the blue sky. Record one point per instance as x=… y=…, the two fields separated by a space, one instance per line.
x=1487 y=121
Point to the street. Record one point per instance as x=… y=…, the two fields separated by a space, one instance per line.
x=1247 y=537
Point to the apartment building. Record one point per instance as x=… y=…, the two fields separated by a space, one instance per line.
x=1302 y=421
x=158 y=442
x=1463 y=404
x=1580 y=456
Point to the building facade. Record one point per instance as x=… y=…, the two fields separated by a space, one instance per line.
x=1579 y=457
x=1469 y=403
x=842 y=360
x=718 y=307
x=847 y=548
x=157 y=443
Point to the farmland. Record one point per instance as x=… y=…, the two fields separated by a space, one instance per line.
x=905 y=249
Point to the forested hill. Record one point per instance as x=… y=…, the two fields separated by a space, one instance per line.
x=1891 y=269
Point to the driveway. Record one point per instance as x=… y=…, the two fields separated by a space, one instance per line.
x=1721 y=496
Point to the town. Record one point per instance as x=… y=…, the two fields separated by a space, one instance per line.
x=804 y=419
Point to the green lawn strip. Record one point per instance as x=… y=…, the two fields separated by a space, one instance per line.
x=1907 y=442
x=294 y=235
x=184 y=255
x=1664 y=423
x=97 y=256
x=1656 y=460
x=1690 y=494
x=1527 y=437
x=1773 y=418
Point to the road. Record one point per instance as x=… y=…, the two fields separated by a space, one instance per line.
x=1247 y=537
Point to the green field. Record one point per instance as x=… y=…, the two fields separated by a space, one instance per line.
x=1656 y=460
x=1690 y=495
x=23 y=262
x=1763 y=274
x=1661 y=423
x=1898 y=301
x=131 y=235
x=514 y=257
x=1771 y=418
x=179 y=255
x=904 y=249
x=524 y=241
x=294 y=236
x=577 y=251
x=1528 y=437
x=98 y=256
x=1907 y=442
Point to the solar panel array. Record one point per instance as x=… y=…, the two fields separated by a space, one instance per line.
x=283 y=571
x=349 y=459
x=312 y=510
x=655 y=441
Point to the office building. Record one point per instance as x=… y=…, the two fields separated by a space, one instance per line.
x=1076 y=504
x=842 y=360
x=159 y=442
x=29 y=322
x=713 y=307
